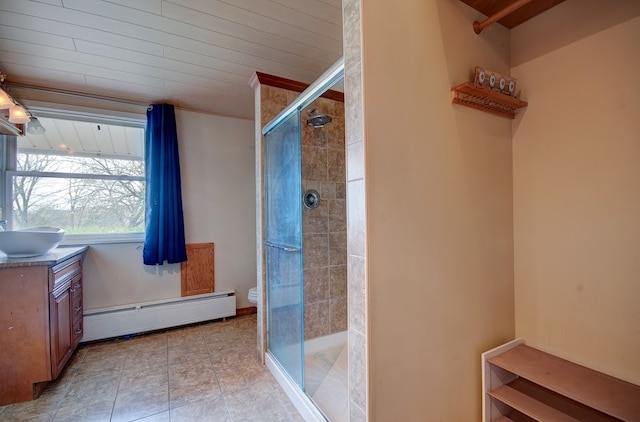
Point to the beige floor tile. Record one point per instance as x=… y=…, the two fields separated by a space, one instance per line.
x=238 y=379
x=186 y=343
x=98 y=367
x=99 y=353
x=254 y=400
x=235 y=357
x=136 y=404
x=189 y=357
x=189 y=373
x=151 y=377
x=149 y=342
x=158 y=417
x=143 y=359
x=277 y=414
x=209 y=410
x=77 y=357
x=183 y=395
x=98 y=411
x=93 y=391
x=182 y=334
x=223 y=341
x=64 y=380
x=42 y=409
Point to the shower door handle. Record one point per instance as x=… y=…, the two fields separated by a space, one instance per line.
x=281 y=247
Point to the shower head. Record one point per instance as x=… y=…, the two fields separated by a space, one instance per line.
x=318 y=119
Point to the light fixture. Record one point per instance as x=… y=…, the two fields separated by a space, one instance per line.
x=35 y=127
x=18 y=114
x=5 y=100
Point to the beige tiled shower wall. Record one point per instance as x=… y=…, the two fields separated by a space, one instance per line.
x=325 y=227
x=356 y=212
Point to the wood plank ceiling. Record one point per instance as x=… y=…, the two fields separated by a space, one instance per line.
x=526 y=12
x=196 y=54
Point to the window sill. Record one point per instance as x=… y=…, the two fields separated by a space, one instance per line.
x=97 y=239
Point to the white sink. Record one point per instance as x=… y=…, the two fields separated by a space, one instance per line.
x=30 y=242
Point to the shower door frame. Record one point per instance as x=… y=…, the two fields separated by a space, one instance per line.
x=295 y=392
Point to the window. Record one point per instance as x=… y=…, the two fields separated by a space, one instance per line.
x=85 y=176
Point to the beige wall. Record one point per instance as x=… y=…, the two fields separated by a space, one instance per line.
x=576 y=160
x=439 y=211
x=216 y=160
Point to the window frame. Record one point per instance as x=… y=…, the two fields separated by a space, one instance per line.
x=8 y=170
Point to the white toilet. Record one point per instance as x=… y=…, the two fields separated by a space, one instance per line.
x=253 y=295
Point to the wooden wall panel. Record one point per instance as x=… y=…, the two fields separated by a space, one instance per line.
x=197 y=273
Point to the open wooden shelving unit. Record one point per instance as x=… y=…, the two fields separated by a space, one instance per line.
x=525 y=384
x=486 y=99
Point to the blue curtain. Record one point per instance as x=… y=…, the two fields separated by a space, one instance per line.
x=164 y=228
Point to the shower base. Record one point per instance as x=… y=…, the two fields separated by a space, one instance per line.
x=326 y=374
x=326 y=379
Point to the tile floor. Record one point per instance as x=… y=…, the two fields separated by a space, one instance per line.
x=205 y=372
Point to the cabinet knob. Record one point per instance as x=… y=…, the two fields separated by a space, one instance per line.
x=78 y=331
x=77 y=308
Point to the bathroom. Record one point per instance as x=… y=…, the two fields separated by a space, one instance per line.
x=455 y=218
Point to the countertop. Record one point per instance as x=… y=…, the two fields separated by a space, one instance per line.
x=52 y=258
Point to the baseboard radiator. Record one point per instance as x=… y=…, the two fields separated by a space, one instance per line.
x=148 y=316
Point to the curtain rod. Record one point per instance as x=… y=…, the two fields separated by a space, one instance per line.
x=77 y=94
x=479 y=26
x=112 y=99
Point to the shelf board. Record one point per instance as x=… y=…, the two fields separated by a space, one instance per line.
x=529 y=406
x=485 y=99
x=599 y=391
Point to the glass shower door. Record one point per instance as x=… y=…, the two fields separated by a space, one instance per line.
x=283 y=247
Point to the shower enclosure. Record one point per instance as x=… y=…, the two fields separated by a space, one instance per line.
x=304 y=244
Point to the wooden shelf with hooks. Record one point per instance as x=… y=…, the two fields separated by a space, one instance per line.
x=485 y=99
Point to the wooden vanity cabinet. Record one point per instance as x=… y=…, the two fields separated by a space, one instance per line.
x=40 y=322
x=65 y=311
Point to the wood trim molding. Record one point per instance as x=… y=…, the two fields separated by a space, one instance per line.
x=291 y=85
x=246 y=311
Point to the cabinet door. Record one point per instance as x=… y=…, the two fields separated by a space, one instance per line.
x=61 y=314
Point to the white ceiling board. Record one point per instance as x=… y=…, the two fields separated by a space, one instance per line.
x=53 y=2
x=214 y=8
x=108 y=87
x=314 y=8
x=242 y=35
x=317 y=44
x=198 y=54
x=36 y=76
x=167 y=68
x=211 y=62
x=274 y=11
x=36 y=37
x=88 y=65
x=151 y=6
x=43 y=28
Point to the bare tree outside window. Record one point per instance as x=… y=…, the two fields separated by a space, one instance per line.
x=25 y=194
x=89 y=180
